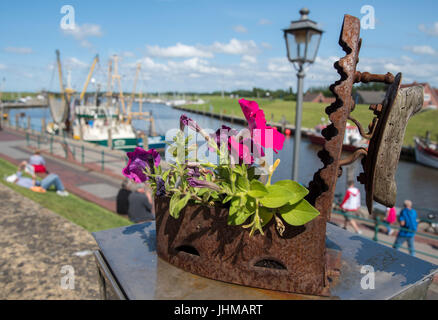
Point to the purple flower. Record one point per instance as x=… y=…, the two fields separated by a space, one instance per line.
x=193 y=172
x=195 y=183
x=161 y=189
x=139 y=159
x=185 y=121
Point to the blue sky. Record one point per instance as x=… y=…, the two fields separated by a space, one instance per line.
x=203 y=45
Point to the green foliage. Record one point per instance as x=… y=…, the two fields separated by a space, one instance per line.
x=86 y=214
x=299 y=213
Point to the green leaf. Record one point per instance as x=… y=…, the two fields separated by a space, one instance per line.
x=297 y=189
x=299 y=213
x=265 y=215
x=276 y=197
x=177 y=204
x=239 y=214
x=242 y=183
x=227 y=198
x=239 y=170
x=257 y=189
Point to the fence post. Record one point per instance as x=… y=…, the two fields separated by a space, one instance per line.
x=376 y=229
x=27 y=139
x=51 y=144
x=103 y=161
x=38 y=141
x=82 y=155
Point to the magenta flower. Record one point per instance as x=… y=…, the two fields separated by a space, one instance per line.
x=185 y=121
x=139 y=159
x=259 y=130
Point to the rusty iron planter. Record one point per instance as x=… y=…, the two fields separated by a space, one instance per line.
x=201 y=242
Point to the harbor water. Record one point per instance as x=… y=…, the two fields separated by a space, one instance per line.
x=414 y=181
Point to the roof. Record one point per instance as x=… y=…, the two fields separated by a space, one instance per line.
x=371 y=97
x=309 y=96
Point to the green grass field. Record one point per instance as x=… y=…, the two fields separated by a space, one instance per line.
x=313 y=112
x=86 y=214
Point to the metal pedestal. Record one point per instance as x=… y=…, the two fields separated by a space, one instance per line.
x=130 y=269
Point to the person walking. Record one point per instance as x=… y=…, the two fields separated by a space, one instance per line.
x=391 y=217
x=351 y=205
x=408 y=223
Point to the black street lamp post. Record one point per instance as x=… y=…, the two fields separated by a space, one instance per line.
x=302 y=43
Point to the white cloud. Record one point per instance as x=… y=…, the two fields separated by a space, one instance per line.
x=18 y=50
x=428 y=50
x=2 y=66
x=73 y=62
x=149 y=64
x=197 y=65
x=248 y=61
x=266 y=45
x=235 y=46
x=432 y=30
x=240 y=29
x=178 y=51
x=82 y=32
x=127 y=54
x=264 y=21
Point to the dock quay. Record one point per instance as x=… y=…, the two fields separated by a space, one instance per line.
x=25 y=105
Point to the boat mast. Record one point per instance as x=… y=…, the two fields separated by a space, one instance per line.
x=90 y=73
x=109 y=87
x=65 y=92
x=117 y=77
x=133 y=93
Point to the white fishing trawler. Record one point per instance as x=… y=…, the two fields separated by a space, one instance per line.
x=105 y=123
x=426 y=152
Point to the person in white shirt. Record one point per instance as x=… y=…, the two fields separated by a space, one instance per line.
x=351 y=205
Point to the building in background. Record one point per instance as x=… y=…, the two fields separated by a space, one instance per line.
x=317 y=97
x=369 y=97
x=430 y=94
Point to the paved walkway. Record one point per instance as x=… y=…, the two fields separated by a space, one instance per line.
x=86 y=181
x=429 y=246
x=35 y=245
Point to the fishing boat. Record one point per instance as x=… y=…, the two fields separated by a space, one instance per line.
x=107 y=124
x=352 y=137
x=426 y=152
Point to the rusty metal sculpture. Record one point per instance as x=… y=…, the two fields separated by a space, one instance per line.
x=201 y=242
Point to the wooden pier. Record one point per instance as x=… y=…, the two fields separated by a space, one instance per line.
x=36 y=103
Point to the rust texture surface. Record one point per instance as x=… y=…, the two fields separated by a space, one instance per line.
x=380 y=165
x=323 y=185
x=201 y=242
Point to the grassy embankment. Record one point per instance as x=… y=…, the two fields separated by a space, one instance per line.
x=313 y=112
x=81 y=212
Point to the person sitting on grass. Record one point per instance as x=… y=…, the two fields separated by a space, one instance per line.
x=38 y=162
x=51 y=180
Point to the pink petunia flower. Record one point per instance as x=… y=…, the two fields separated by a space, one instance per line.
x=267 y=136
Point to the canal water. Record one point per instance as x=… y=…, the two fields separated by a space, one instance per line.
x=414 y=181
